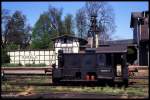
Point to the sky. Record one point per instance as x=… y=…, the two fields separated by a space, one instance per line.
x=122 y=11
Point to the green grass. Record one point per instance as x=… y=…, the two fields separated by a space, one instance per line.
x=8 y=87
x=99 y=90
x=137 y=91
x=78 y=89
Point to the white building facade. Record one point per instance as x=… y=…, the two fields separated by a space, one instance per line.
x=68 y=44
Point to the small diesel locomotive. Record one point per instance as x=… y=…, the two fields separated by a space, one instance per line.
x=93 y=65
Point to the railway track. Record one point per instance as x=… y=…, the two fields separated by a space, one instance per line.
x=11 y=76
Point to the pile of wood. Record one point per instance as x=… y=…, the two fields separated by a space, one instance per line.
x=139 y=71
x=138 y=74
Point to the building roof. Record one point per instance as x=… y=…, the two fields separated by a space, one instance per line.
x=125 y=42
x=107 y=49
x=112 y=49
x=81 y=41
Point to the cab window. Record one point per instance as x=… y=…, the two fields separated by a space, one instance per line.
x=101 y=59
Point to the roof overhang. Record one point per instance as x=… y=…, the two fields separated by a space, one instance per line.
x=81 y=41
x=112 y=49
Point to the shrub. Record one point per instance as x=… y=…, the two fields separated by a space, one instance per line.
x=4 y=57
x=35 y=65
x=11 y=65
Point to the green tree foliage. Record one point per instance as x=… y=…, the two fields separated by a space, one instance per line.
x=43 y=32
x=131 y=55
x=49 y=26
x=16 y=26
x=16 y=31
x=5 y=18
x=69 y=25
x=4 y=57
x=12 y=46
x=55 y=15
x=63 y=27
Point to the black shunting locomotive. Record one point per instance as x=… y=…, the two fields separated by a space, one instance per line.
x=93 y=65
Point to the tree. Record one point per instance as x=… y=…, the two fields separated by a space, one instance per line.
x=51 y=25
x=81 y=23
x=27 y=37
x=131 y=55
x=5 y=18
x=55 y=15
x=16 y=29
x=105 y=17
x=61 y=26
x=42 y=33
x=4 y=56
x=68 y=24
